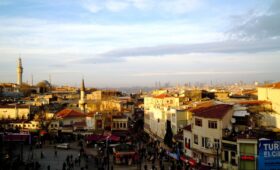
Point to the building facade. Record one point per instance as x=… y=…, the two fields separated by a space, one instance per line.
x=202 y=139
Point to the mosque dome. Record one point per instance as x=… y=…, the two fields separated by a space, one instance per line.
x=44 y=86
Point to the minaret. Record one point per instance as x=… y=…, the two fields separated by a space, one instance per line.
x=19 y=72
x=82 y=101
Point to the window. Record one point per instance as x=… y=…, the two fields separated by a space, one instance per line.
x=195 y=137
x=114 y=125
x=124 y=125
x=226 y=156
x=204 y=142
x=198 y=122
x=217 y=143
x=212 y=124
x=233 y=160
x=120 y=125
x=187 y=143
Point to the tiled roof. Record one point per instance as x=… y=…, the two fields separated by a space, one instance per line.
x=69 y=113
x=161 y=96
x=13 y=106
x=216 y=111
x=273 y=85
x=254 y=102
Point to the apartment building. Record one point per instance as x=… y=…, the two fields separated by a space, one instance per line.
x=202 y=139
x=156 y=110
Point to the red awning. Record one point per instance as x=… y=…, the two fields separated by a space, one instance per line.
x=16 y=137
x=94 y=137
x=111 y=138
x=190 y=161
x=103 y=138
x=43 y=132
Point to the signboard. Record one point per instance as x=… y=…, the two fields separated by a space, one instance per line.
x=247 y=158
x=269 y=154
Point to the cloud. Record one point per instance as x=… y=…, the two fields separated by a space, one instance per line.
x=116 y=6
x=257 y=25
x=174 y=6
x=98 y=60
x=199 y=73
x=213 y=47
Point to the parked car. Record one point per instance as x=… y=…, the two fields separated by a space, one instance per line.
x=63 y=146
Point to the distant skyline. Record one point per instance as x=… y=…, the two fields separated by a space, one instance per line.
x=122 y=43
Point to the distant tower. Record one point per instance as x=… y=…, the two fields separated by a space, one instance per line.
x=19 y=72
x=82 y=101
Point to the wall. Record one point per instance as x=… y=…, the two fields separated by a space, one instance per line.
x=14 y=113
x=270 y=94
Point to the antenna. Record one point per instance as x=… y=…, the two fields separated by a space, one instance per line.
x=50 y=78
x=31 y=79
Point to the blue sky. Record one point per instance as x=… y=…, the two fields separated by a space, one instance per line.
x=117 y=43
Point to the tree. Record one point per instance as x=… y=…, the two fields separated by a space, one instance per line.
x=168 y=135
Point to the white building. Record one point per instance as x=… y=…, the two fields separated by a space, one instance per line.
x=203 y=138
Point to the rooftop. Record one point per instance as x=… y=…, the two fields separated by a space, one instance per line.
x=69 y=113
x=13 y=106
x=161 y=96
x=254 y=102
x=119 y=116
x=215 y=111
x=188 y=128
x=273 y=85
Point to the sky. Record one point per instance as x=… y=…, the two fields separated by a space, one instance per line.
x=122 y=43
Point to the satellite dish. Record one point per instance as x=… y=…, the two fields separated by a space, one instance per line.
x=209 y=145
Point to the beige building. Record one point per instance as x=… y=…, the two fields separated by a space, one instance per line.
x=66 y=119
x=103 y=95
x=14 y=112
x=95 y=121
x=203 y=138
x=271 y=93
x=119 y=122
x=156 y=109
x=179 y=118
x=43 y=100
x=31 y=125
x=104 y=106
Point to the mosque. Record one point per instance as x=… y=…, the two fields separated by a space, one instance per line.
x=20 y=88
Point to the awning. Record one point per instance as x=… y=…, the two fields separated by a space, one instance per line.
x=16 y=137
x=190 y=161
x=43 y=132
x=103 y=138
x=110 y=138
x=93 y=137
x=173 y=155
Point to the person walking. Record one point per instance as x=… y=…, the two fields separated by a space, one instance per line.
x=42 y=155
